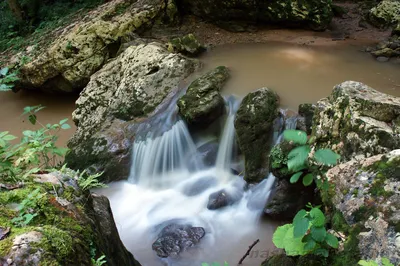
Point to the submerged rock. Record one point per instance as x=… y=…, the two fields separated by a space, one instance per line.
x=315 y=14
x=175 y=238
x=69 y=226
x=253 y=124
x=365 y=197
x=199 y=186
x=187 y=45
x=203 y=104
x=386 y=13
x=123 y=93
x=220 y=199
x=85 y=46
x=357 y=121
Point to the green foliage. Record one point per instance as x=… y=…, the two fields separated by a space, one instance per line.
x=214 y=264
x=27 y=209
x=87 y=182
x=36 y=149
x=302 y=162
x=384 y=261
x=306 y=235
x=7 y=79
x=99 y=261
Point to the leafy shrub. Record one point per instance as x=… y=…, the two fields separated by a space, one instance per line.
x=36 y=150
x=299 y=158
x=306 y=235
x=7 y=79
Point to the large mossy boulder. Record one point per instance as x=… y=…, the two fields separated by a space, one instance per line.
x=122 y=94
x=385 y=14
x=364 y=202
x=357 y=121
x=203 y=104
x=187 y=45
x=69 y=226
x=314 y=14
x=254 y=123
x=84 y=47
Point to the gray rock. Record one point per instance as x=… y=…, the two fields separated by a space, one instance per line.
x=357 y=121
x=199 y=186
x=219 y=200
x=253 y=124
x=203 y=104
x=125 y=91
x=306 y=113
x=175 y=238
x=382 y=59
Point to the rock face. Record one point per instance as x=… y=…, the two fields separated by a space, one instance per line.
x=84 y=47
x=174 y=239
x=386 y=13
x=203 y=104
x=253 y=124
x=187 y=45
x=125 y=91
x=357 y=121
x=365 y=197
x=305 y=119
x=69 y=227
x=310 y=13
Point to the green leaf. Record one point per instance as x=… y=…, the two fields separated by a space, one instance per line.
x=293 y=246
x=65 y=126
x=318 y=217
x=326 y=157
x=205 y=264
x=5 y=87
x=28 y=133
x=386 y=262
x=295 y=177
x=295 y=136
x=300 y=214
x=4 y=71
x=318 y=233
x=9 y=137
x=60 y=151
x=367 y=263
x=29 y=217
x=310 y=245
x=63 y=121
x=32 y=119
x=321 y=252
x=297 y=158
x=300 y=227
x=332 y=240
x=308 y=179
x=278 y=237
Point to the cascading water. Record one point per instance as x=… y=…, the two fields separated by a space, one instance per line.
x=164 y=188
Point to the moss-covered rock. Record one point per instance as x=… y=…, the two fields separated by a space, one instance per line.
x=187 y=45
x=315 y=14
x=69 y=227
x=125 y=91
x=85 y=46
x=203 y=104
x=357 y=121
x=364 y=201
x=305 y=119
x=396 y=30
x=279 y=260
x=253 y=124
x=385 y=14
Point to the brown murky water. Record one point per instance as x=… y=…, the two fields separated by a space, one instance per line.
x=57 y=108
x=300 y=74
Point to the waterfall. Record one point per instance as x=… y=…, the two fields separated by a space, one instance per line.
x=227 y=142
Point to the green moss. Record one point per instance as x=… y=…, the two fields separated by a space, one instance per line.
x=350 y=254
x=58 y=241
x=339 y=223
x=364 y=212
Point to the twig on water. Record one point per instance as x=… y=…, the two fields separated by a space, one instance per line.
x=248 y=251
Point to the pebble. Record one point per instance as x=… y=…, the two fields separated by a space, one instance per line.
x=382 y=59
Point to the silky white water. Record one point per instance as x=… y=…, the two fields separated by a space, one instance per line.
x=165 y=187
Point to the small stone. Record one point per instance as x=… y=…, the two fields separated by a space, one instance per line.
x=382 y=59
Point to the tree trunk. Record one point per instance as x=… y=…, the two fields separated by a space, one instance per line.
x=16 y=9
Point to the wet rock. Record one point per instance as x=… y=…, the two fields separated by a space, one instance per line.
x=85 y=46
x=385 y=14
x=219 y=200
x=68 y=226
x=389 y=48
x=253 y=124
x=306 y=113
x=279 y=260
x=175 y=238
x=287 y=199
x=203 y=104
x=365 y=193
x=208 y=153
x=123 y=93
x=385 y=52
x=199 y=186
x=310 y=13
x=187 y=45
x=357 y=121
